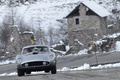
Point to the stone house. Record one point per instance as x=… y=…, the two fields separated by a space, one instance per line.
x=87 y=22
x=19 y=40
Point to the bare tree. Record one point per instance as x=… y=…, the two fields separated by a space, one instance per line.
x=41 y=36
x=62 y=32
x=23 y=26
x=11 y=14
x=55 y=35
x=116 y=15
x=4 y=35
x=51 y=35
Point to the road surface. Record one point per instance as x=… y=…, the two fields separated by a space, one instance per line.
x=106 y=74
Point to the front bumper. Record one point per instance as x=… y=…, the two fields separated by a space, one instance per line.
x=37 y=68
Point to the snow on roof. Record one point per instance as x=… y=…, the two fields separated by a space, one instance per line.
x=102 y=12
x=96 y=8
x=111 y=25
x=15 y=26
x=27 y=32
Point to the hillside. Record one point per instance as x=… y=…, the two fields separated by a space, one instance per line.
x=46 y=13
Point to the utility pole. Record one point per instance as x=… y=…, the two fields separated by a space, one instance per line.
x=95 y=50
x=119 y=23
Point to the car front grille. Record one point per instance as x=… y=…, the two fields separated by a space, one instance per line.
x=38 y=63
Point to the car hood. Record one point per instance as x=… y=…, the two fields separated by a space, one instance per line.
x=35 y=57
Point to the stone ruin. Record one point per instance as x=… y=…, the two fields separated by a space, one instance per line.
x=19 y=40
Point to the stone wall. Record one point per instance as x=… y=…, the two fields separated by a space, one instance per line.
x=84 y=36
x=103 y=25
x=26 y=39
x=85 y=22
x=18 y=40
x=89 y=25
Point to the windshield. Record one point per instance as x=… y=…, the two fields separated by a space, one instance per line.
x=35 y=49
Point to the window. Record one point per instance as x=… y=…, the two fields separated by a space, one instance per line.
x=35 y=49
x=77 y=21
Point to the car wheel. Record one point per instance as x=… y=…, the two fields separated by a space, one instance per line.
x=53 y=70
x=28 y=72
x=20 y=72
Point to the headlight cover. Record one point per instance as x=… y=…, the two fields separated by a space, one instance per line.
x=51 y=57
x=19 y=60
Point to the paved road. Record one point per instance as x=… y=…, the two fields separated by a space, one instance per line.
x=106 y=74
x=72 y=61
x=8 y=68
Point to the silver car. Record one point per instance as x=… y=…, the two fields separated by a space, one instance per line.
x=35 y=58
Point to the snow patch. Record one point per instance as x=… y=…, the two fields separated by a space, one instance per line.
x=79 y=42
x=11 y=39
x=64 y=69
x=7 y=62
x=118 y=46
x=60 y=43
x=82 y=52
x=113 y=35
x=87 y=66
x=15 y=73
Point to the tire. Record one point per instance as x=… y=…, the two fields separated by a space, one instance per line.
x=53 y=70
x=28 y=72
x=20 y=72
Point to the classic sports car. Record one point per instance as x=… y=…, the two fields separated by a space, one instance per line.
x=35 y=58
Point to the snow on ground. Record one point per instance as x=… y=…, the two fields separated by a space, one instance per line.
x=113 y=35
x=118 y=46
x=7 y=62
x=81 y=52
x=84 y=51
x=47 y=12
x=87 y=66
x=15 y=73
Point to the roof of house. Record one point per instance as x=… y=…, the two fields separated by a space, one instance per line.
x=96 y=8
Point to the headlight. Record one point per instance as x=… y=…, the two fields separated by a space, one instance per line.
x=26 y=64
x=51 y=57
x=19 y=60
x=44 y=63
